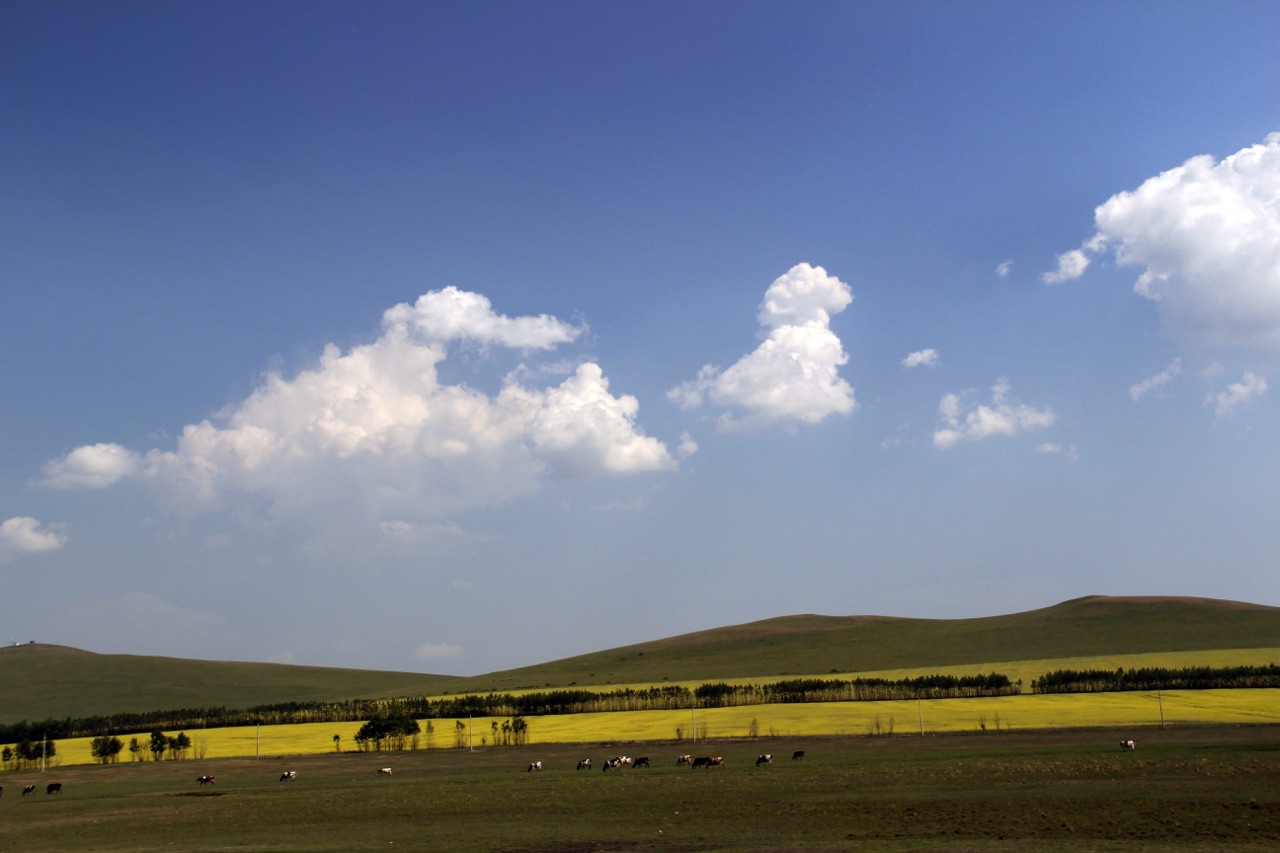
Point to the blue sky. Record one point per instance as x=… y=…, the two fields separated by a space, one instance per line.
x=453 y=337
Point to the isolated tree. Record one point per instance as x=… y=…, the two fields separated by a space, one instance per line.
x=337 y=743
x=135 y=749
x=106 y=749
x=460 y=734
x=159 y=743
x=431 y=733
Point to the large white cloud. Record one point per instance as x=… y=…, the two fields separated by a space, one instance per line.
x=26 y=535
x=1003 y=417
x=794 y=374
x=376 y=424
x=1206 y=237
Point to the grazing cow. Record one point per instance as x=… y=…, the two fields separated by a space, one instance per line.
x=385 y=771
x=288 y=775
x=612 y=763
x=797 y=755
x=716 y=762
x=684 y=759
x=584 y=764
x=701 y=761
x=30 y=789
x=534 y=765
x=1128 y=744
x=53 y=788
x=205 y=780
x=642 y=761
x=764 y=759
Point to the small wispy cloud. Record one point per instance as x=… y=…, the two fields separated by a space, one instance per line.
x=1140 y=389
x=437 y=651
x=1003 y=417
x=1237 y=394
x=922 y=358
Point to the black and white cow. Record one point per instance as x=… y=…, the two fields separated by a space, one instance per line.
x=29 y=789
x=534 y=765
x=684 y=759
x=288 y=775
x=584 y=764
x=764 y=759
x=1128 y=745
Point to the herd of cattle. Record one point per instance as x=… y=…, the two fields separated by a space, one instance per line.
x=51 y=788
x=615 y=763
x=620 y=761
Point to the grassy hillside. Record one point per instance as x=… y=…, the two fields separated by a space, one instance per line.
x=43 y=681
x=810 y=645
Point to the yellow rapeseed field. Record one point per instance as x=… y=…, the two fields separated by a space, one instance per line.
x=1173 y=708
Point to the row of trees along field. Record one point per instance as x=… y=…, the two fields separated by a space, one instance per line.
x=538 y=703
x=1157 y=678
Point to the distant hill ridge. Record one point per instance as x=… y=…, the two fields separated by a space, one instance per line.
x=43 y=681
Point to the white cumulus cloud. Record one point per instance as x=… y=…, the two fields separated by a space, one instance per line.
x=1237 y=394
x=1003 y=417
x=922 y=358
x=93 y=466
x=375 y=424
x=1071 y=265
x=1206 y=239
x=794 y=374
x=26 y=535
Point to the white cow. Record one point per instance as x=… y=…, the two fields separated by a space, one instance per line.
x=385 y=771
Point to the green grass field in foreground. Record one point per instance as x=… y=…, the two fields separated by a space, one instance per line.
x=1185 y=790
x=1131 y=711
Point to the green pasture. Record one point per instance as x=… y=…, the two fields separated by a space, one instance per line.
x=1184 y=790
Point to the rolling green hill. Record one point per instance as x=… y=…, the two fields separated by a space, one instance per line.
x=43 y=681
x=812 y=645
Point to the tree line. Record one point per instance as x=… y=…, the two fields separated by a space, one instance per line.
x=1156 y=678
x=537 y=703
